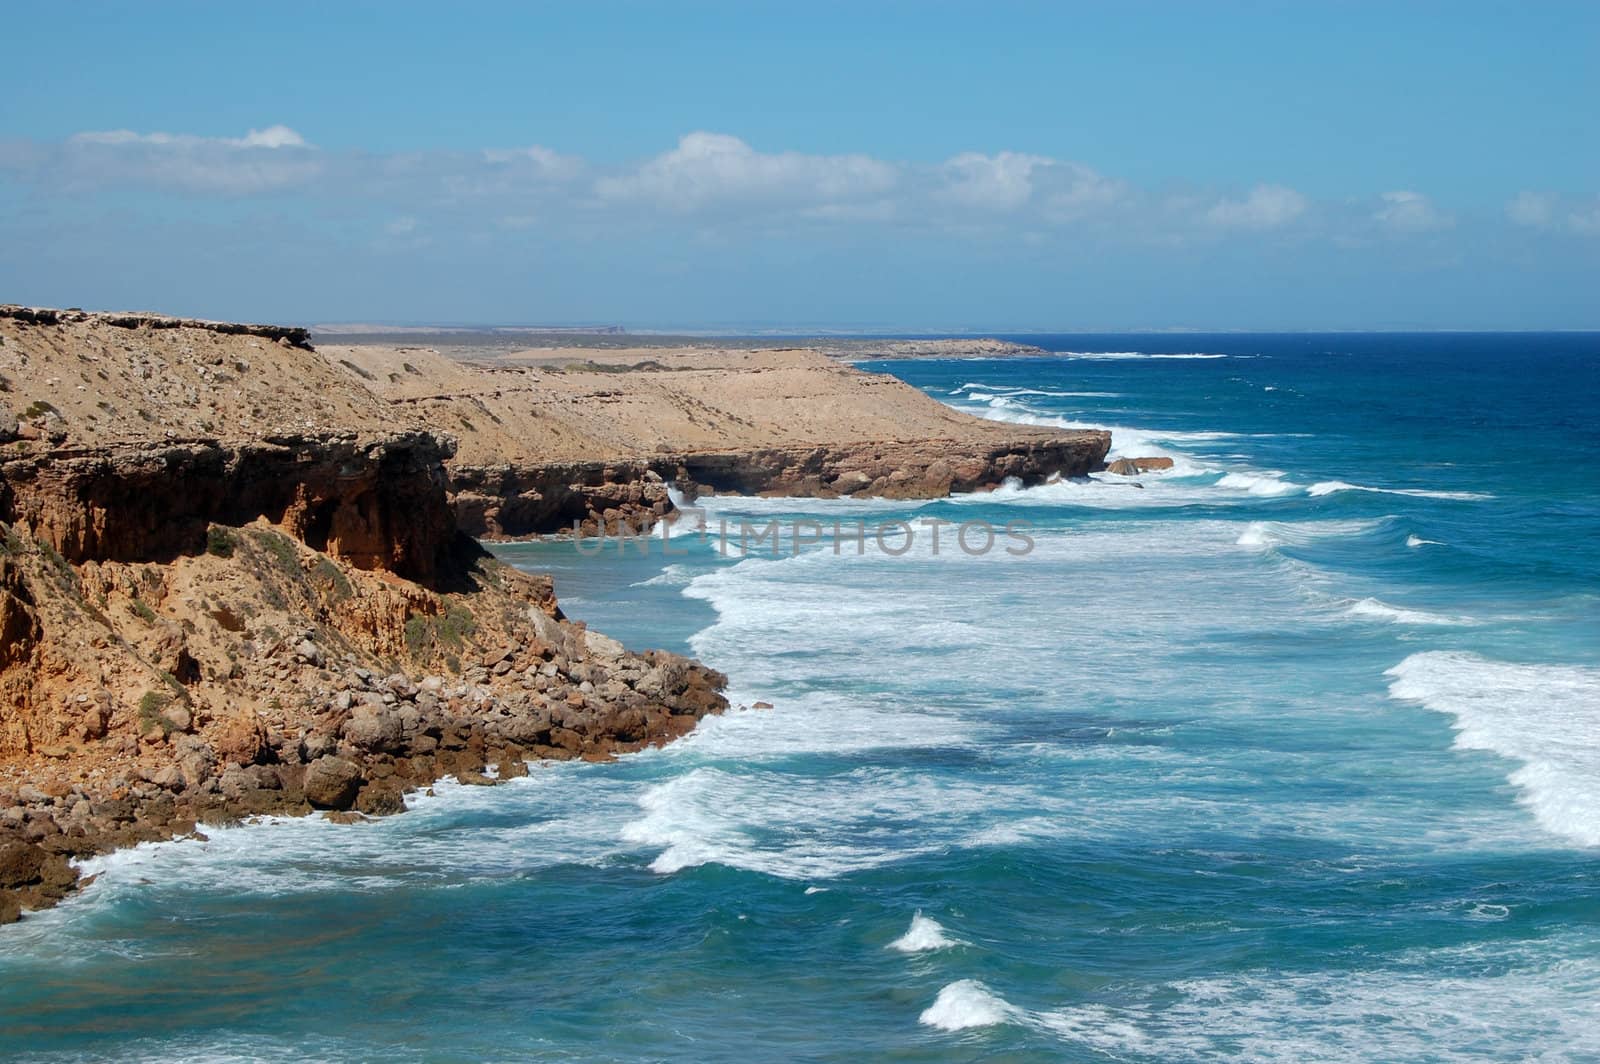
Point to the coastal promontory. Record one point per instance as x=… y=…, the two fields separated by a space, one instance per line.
x=239 y=574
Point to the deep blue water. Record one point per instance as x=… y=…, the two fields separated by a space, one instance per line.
x=1290 y=753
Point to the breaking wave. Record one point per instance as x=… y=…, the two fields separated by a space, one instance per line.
x=1544 y=717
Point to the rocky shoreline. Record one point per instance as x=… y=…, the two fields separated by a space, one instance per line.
x=331 y=726
x=238 y=574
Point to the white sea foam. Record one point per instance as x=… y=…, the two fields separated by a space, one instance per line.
x=1373 y=609
x=1329 y=487
x=805 y=828
x=1426 y=1005
x=1545 y=717
x=1481 y=1007
x=1120 y=356
x=558 y=814
x=979 y=390
x=967 y=1003
x=923 y=935
x=1258 y=483
x=1418 y=541
x=674 y=575
x=1266 y=535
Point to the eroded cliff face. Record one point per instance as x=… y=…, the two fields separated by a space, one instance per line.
x=553 y=446
x=198 y=629
x=138 y=698
x=377 y=502
x=508 y=501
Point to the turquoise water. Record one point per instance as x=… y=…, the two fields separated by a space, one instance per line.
x=1292 y=753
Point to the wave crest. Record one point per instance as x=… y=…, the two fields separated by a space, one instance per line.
x=1543 y=716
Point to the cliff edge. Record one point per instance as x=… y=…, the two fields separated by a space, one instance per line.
x=549 y=441
x=231 y=583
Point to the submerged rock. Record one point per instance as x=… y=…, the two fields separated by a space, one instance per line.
x=1127 y=467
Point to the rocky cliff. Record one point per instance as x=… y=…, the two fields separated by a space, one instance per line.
x=549 y=444
x=237 y=573
x=231 y=582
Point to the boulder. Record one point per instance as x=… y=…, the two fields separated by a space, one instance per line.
x=1127 y=467
x=20 y=863
x=9 y=427
x=239 y=738
x=603 y=646
x=236 y=783
x=331 y=783
x=374 y=728
x=381 y=801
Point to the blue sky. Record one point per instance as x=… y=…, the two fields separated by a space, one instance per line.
x=939 y=166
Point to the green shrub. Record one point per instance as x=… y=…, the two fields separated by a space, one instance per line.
x=457 y=624
x=142 y=610
x=219 y=542
x=150 y=712
x=447 y=632
x=419 y=631
x=332 y=578
x=281 y=549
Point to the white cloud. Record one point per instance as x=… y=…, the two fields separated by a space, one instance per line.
x=1266 y=207
x=1585 y=221
x=536 y=160
x=990 y=182
x=261 y=160
x=1542 y=210
x=1010 y=181
x=718 y=179
x=1533 y=209
x=271 y=137
x=715 y=169
x=1410 y=212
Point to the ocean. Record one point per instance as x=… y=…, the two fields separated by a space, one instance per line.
x=1290 y=753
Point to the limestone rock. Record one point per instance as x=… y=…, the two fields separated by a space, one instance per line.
x=20 y=863
x=240 y=739
x=331 y=783
x=1127 y=467
x=603 y=646
x=374 y=729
